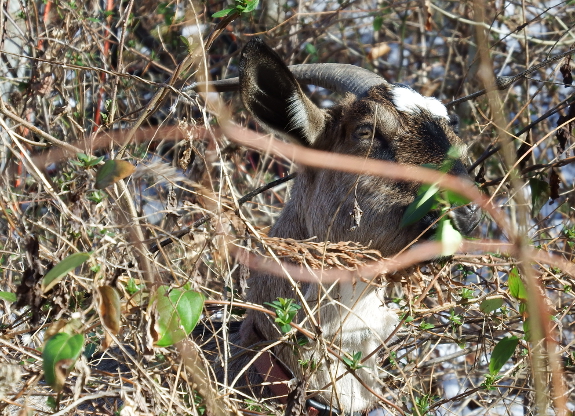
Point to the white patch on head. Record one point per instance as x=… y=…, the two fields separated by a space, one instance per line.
x=297 y=113
x=409 y=101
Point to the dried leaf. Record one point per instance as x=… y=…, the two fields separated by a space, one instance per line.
x=29 y=292
x=562 y=136
x=428 y=15
x=379 y=50
x=356 y=214
x=110 y=308
x=296 y=400
x=554 y=182
x=566 y=72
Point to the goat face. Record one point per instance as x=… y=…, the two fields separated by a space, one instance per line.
x=384 y=121
x=376 y=120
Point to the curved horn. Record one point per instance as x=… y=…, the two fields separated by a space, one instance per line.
x=334 y=77
x=337 y=77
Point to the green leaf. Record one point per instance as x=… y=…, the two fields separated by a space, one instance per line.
x=539 y=194
x=185 y=41
x=222 y=13
x=95 y=161
x=60 y=270
x=112 y=171
x=59 y=355
x=516 y=287
x=502 y=353
x=455 y=199
x=450 y=238
x=423 y=203
x=311 y=49
x=527 y=330
x=490 y=305
x=8 y=296
x=377 y=23
x=178 y=313
x=251 y=5
x=426 y=325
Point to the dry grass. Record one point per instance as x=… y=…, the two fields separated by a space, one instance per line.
x=78 y=77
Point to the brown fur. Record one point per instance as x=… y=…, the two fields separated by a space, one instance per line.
x=320 y=206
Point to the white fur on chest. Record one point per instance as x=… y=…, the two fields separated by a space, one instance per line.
x=360 y=322
x=360 y=314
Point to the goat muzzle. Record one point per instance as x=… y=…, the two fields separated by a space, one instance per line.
x=466 y=217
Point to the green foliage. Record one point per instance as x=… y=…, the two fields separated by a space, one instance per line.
x=131 y=286
x=178 y=312
x=455 y=319
x=569 y=233
x=239 y=7
x=353 y=361
x=309 y=364
x=466 y=294
x=85 y=161
x=168 y=10
x=448 y=235
x=426 y=325
x=59 y=271
x=430 y=198
x=490 y=380
x=502 y=352
x=285 y=310
x=423 y=404
x=540 y=192
x=199 y=404
x=377 y=23
x=113 y=171
x=96 y=196
x=489 y=305
x=59 y=355
x=516 y=287
x=8 y=296
x=426 y=201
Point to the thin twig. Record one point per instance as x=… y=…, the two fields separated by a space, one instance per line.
x=247 y=197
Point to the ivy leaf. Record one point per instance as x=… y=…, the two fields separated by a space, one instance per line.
x=178 y=313
x=59 y=356
x=502 y=353
x=59 y=271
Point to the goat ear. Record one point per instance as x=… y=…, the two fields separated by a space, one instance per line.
x=272 y=94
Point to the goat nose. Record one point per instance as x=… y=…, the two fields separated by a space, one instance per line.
x=466 y=217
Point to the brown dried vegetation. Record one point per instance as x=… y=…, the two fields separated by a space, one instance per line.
x=79 y=78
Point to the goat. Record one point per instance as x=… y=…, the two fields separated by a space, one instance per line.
x=375 y=119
